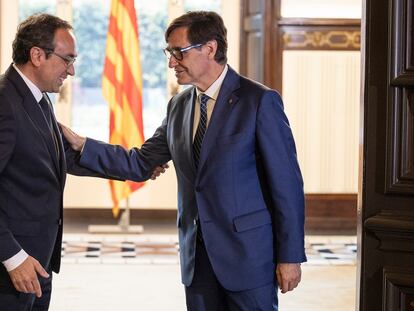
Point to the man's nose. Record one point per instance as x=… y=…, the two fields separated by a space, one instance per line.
x=71 y=70
x=172 y=62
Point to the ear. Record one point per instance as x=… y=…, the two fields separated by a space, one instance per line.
x=37 y=56
x=211 y=48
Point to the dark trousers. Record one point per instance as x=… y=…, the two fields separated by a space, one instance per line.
x=11 y=300
x=206 y=294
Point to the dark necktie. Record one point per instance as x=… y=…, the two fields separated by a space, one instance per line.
x=201 y=129
x=47 y=112
x=44 y=104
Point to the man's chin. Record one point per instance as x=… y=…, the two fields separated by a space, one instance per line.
x=56 y=89
x=182 y=81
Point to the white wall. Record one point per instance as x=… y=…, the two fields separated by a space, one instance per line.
x=230 y=10
x=8 y=25
x=321 y=99
x=322 y=8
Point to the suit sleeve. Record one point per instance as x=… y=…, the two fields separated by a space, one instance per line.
x=282 y=178
x=73 y=167
x=8 y=245
x=136 y=164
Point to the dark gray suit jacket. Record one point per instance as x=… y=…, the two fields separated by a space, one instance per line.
x=32 y=178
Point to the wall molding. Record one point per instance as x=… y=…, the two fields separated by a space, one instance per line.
x=320 y=34
x=104 y=215
x=324 y=213
x=331 y=213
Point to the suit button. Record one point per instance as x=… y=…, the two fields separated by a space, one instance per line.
x=195 y=222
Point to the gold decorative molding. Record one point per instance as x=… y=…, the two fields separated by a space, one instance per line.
x=321 y=40
x=320 y=34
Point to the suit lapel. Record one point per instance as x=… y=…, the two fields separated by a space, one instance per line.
x=188 y=129
x=59 y=145
x=224 y=104
x=61 y=153
x=34 y=112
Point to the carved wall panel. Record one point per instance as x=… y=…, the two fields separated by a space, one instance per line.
x=398 y=289
x=400 y=141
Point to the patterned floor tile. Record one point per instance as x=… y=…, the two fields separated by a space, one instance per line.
x=163 y=249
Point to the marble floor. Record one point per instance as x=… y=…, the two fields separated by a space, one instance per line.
x=141 y=272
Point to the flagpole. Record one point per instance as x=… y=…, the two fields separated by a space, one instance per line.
x=123 y=226
x=124 y=220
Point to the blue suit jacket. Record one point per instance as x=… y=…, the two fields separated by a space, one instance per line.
x=247 y=191
x=32 y=178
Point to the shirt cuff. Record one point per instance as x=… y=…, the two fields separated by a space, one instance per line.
x=83 y=147
x=15 y=261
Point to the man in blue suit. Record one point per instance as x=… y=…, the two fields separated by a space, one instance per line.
x=240 y=191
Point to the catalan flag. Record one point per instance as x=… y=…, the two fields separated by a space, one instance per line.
x=122 y=87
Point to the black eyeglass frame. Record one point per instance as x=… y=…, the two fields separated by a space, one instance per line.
x=178 y=53
x=69 y=60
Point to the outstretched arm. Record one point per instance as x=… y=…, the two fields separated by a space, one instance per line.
x=116 y=162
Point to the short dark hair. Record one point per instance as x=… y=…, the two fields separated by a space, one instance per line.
x=37 y=30
x=203 y=26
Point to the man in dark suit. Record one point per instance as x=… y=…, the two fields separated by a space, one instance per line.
x=33 y=162
x=240 y=190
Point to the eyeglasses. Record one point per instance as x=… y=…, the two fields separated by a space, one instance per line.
x=69 y=60
x=178 y=52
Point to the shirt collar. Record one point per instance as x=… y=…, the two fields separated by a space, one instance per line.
x=214 y=89
x=33 y=88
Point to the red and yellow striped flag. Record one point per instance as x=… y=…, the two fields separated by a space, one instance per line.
x=122 y=87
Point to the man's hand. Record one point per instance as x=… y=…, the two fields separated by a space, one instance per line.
x=288 y=276
x=159 y=170
x=75 y=141
x=24 y=277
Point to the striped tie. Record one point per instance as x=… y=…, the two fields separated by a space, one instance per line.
x=201 y=129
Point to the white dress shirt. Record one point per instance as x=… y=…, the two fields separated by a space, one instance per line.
x=211 y=92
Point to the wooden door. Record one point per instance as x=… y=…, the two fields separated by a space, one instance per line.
x=386 y=195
